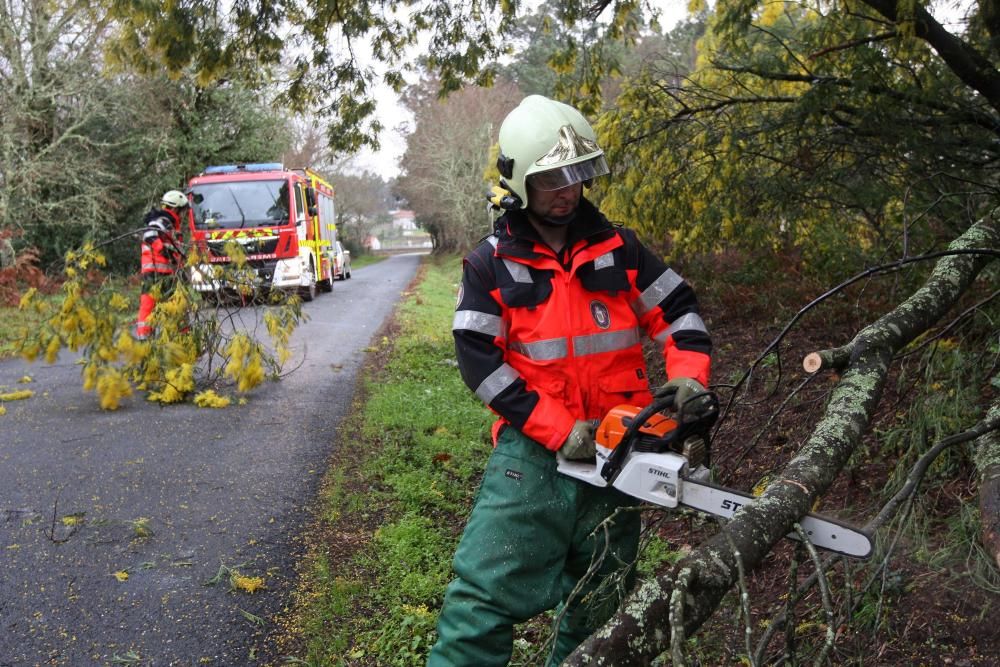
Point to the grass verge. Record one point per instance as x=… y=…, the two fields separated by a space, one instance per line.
x=396 y=497
x=397 y=493
x=364 y=260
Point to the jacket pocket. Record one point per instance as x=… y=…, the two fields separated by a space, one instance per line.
x=627 y=385
x=611 y=279
x=527 y=294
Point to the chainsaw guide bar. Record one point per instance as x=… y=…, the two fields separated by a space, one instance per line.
x=644 y=454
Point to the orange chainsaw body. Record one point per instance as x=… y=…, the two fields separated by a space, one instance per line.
x=612 y=428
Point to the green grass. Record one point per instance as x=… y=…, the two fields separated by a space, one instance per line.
x=360 y=261
x=425 y=439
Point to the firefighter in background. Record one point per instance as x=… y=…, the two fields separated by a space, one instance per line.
x=548 y=333
x=162 y=256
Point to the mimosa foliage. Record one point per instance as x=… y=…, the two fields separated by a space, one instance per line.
x=196 y=347
x=826 y=136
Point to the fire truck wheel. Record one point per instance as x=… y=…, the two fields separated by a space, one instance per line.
x=309 y=291
x=327 y=285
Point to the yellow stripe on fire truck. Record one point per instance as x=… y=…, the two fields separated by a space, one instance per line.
x=245 y=233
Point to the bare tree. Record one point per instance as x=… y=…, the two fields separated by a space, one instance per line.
x=363 y=201
x=446 y=160
x=309 y=146
x=52 y=96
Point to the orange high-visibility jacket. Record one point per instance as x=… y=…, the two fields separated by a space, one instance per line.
x=546 y=340
x=161 y=242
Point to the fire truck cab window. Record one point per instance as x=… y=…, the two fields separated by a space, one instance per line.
x=240 y=204
x=300 y=213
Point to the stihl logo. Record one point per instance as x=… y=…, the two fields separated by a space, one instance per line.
x=660 y=473
x=731 y=505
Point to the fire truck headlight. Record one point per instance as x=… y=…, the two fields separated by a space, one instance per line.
x=287 y=270
x=197 y=275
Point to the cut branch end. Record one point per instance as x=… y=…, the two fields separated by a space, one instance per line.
x=812 y=362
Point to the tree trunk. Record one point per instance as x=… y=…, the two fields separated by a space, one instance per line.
x=679 y=602
x=971 y=66
x=988 y=463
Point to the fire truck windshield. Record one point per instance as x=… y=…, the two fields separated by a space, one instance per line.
x=240 y=204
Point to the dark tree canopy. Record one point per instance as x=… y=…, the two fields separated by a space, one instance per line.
x=326 y=57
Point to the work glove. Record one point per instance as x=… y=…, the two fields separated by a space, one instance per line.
x=579 y=443
x=681 y=388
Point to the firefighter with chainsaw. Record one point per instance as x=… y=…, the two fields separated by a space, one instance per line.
x=548 y=333
x=162 y=256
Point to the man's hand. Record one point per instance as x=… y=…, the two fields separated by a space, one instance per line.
x=682 y=388
x=579 y=443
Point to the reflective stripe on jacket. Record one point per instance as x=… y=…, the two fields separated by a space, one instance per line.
x=160 y=252
x=545 y=342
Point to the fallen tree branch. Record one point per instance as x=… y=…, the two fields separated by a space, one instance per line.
x=951 y=325
x=988 y=427
x=698 y=582
x=838 y=358
x=988 y=464
x=835 y=359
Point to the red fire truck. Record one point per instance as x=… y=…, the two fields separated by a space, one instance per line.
x=282 y=218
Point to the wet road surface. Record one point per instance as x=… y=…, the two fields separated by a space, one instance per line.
x=173 y=497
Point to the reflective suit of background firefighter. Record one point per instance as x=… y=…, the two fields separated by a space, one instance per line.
x=548 y=328
x=162 y=256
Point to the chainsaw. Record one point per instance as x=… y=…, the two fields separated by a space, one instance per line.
x=662 y=457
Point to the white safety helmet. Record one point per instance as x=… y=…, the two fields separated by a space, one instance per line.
x=174 y=199
x=547 y=145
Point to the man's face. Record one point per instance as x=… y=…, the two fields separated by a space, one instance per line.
x=554 y=203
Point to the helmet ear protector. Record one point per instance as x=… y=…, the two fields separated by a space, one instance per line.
x=503 y=197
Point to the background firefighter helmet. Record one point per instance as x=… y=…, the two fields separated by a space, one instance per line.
x=549 y=145
x=174 y=199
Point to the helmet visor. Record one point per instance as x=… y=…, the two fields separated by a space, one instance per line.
x=571 y=174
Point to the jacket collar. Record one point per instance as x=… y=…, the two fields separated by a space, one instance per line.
x=516 y=237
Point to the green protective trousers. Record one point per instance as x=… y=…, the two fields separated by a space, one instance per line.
x=526 y=546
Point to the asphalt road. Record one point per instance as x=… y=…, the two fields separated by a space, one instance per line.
x=216 y=489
